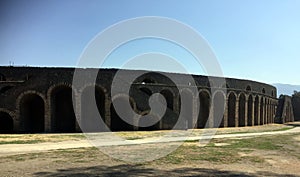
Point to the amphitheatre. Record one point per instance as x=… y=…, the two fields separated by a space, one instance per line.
x=38 y=100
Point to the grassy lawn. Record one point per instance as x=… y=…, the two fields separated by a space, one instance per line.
x=188 y=153
x=198 y=132
x=228 y=152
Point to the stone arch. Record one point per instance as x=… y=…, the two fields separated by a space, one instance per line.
x=256 y=110
x=263 y=91
x=6 y=122
x=231 y=109
x=248 y=88
x=32 y=112
x=250 y=110
x=205 y=101
x=219 y=102
x=90 y=121
x=117 y=123
x=242 y=110
x=187 y=108
x=61 y=105
x=261 y=111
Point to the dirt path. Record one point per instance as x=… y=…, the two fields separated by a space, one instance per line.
x=12 y=149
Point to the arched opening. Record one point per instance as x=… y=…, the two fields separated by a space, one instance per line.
x=261 y=111
x=266 y=111
x=91 y=114
x=219 y=107
x=6 y=123
x=248 y=88
x=63 y=116
x=170 y=118
x=169 y=98
x=204 y=109
x=145 y=121
x=2 y=77
x=269 y=111
x=186 y=108
x=146 y=91
x=242 y=104
x=256 y=110
x=5 y=89
x=32 y=113
x=250 y=107
x=117 y=122
x=231 y=110
x=263 y=91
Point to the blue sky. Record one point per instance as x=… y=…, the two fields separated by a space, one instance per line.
x=252 y=39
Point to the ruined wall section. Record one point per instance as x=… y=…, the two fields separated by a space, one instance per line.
x=284 y=110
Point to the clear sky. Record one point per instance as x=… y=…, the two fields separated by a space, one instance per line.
x=252 y=39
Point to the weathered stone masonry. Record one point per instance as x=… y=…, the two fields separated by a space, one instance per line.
x=40 y=100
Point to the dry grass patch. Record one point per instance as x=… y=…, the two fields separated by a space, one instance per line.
x=38 y=138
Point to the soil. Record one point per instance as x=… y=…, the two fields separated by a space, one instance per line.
x=85 y=160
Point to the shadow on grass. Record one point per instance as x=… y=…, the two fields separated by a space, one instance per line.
x=138 y=170
x=294 y=124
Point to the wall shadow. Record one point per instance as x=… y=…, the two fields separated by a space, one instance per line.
x=142 y=171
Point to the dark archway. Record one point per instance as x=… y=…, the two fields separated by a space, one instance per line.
x=117 y=123
x=32 y=113
x=5 y=89
x=256 y=110
x=146 y=91
x=248 y=88
x=266 y=111
x=169 y=98
x=186 y=108
x=261 y=111
x=204 y=109
x=63 y=116
x=250 y=106
x=6 y=123
x=170 y=118
x=219 y=108
x=2 y=77
x=91 y=114
x=231 y=110
x=242 y=105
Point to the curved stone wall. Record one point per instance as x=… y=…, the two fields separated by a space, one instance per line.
x=40 y=100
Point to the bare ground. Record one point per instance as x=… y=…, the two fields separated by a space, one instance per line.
x=272 y=155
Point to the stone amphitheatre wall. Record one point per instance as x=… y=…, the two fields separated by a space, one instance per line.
x=36 y=99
